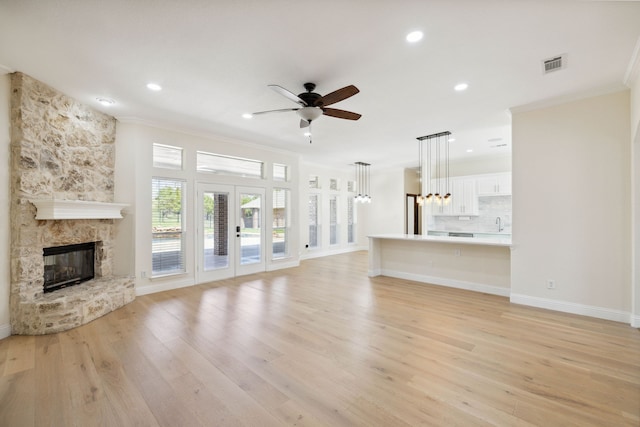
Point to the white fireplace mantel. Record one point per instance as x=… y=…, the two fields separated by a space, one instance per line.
x=77 y=209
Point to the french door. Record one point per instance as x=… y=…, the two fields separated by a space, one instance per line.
x=230 y=228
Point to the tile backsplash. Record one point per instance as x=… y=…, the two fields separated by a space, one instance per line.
x=490 y=208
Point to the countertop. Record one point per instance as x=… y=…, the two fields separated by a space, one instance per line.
x=506 y=242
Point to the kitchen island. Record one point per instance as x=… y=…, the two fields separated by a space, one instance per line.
x=473 y=263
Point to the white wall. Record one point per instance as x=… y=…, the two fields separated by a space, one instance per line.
x=5 y=192
x=635 y=166
x=480 y=165
x=325 y=174
x=134 y=171
x=387 y=210
x=571 y=207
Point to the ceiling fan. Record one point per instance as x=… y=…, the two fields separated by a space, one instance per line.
x=313 y=105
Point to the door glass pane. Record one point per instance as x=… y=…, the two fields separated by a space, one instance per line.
x=351 y=220
x=314 y=227
x=280 y=223
x=250 y=232
x=216 y=230
x=333 y=220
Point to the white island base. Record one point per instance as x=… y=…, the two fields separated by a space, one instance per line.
x=476 y=264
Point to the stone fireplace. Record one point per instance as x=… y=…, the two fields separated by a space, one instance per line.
x=61 y=150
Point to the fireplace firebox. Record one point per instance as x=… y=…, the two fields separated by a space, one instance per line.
x=69 y=265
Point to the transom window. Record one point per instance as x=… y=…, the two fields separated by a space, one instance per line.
x=228 y=165
x=167 y=157
x=280 y=172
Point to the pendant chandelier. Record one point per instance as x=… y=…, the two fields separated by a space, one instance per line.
x=362 y=182
x=433 y=152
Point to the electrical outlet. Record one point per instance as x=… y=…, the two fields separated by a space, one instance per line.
x=551 y=284
x=456 y=252
x=143 y=274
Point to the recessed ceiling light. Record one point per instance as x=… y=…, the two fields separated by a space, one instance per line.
x=460 y=87
x=451 y=139
x=154 y=87
x=469 y=150
x=247 y=116
x=106 y=101
x=414 y=36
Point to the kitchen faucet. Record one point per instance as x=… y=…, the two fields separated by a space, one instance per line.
x=499 y=222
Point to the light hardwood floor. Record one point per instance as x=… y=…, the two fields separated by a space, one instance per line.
x=324 y=345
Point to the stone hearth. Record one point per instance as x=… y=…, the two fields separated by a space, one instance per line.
x=60 y=149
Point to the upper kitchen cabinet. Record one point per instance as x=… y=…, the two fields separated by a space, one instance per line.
x=494 y=185
x=464 y=197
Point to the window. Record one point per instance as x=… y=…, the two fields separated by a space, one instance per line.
x=167 y=157
x=168 y=245
x=351 y=220
x=280 y=172
x=333 y=220
x=314 y=226
x=281 y=223
x=227 y=165
x=333 y=184
x=313 y=181
x=351 y=186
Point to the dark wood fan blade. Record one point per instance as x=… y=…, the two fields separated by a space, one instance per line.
x=284 y=110
x=282 y=91
x=338 y=95
x=304 y=123
x=341 y=114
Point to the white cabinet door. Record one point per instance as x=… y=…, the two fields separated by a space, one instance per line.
x=494 y=185
x=465 y=197
x=436 y=208
x=487 y=185
x=504 y=183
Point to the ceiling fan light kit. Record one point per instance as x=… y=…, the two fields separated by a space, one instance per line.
x=313 y=105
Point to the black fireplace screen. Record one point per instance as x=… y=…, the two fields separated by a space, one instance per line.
x=68 y=265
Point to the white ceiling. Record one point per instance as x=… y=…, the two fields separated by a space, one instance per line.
x=214 y=60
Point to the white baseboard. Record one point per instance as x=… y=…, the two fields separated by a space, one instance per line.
x=635 y=321
x=161 y=287
x=574 y=308
x=5 y=331
x=281 y=265
x=316 y=253
x=443 y=281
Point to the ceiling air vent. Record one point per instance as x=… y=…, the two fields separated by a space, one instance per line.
x=554 y=64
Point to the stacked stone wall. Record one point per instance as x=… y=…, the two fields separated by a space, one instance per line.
x=60 y=149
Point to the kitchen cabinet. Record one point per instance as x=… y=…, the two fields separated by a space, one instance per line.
x=464 y=197
x=494 y=184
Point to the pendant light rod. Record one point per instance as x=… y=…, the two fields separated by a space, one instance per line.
x=442 y=172
x=363 y=175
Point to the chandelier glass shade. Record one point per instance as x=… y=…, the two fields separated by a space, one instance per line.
x=433 y=153
x=363 y=188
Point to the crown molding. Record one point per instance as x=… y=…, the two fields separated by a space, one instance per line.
x=5 y=70
x=205 y=135
x=633 y=70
